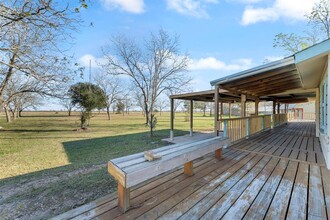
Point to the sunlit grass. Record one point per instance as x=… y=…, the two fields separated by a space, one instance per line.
x=44 y=140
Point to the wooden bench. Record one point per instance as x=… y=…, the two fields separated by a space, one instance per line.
x=134 y=169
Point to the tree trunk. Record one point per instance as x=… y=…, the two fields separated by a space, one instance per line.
x=69 y=111
x=7 y=115
x=147 y=113
x=108 y=113
x=13 y=113
x=20 y=113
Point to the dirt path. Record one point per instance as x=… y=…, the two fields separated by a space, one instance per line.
x=40 y=198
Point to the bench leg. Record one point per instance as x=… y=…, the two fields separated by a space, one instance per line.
x=218 y=153
x=188 y=168
x=123 y=198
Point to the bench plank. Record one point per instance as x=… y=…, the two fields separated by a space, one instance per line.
x=134 y=169
x=141 y=174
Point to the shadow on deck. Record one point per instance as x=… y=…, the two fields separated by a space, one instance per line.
x=276 y=174
x=197 y=136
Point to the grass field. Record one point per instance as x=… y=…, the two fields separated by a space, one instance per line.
x=48 y=167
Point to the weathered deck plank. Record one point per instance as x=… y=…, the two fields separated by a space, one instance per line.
x=242 y=204
x=223 y=204
x=278 y=207
x=298 y=208
x=202 y=206
x=260 y=205
x=316 y=203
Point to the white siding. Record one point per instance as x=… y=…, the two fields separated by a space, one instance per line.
x=324 y=135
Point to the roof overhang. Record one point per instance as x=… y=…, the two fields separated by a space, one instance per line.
x=292 y=79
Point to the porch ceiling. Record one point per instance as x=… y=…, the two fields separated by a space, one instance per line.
x=266 y=83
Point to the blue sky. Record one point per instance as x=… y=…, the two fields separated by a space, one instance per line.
x=220 y=36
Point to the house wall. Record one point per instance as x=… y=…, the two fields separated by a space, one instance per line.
x=325 y=133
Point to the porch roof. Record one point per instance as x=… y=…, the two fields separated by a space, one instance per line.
x=208 y=96
x=290 y=80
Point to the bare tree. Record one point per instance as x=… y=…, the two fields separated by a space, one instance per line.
x=320 y=16
x=18 y=97
x=161 y=104
x=67 y=104
x=30 y=33
x=154 y=68
x=319 y=19
x=24 y=101
x=111 y=86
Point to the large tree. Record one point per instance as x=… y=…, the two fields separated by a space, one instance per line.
x=31 y=39
x=154 y=67
x=87 y=97
x=319 y=20
x=112 y=87
x=320 y=17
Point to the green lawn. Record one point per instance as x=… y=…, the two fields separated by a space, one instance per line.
x=58 y=167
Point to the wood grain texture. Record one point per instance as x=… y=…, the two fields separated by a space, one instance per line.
x=249 y=182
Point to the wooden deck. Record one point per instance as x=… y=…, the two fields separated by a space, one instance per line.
x=273 y=175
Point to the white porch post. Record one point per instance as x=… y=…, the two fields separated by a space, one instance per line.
x=172 y=120
x=191 y=117
x=216 y=110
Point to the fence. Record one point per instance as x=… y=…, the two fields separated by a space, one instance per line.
x=238 y=128
x=305 y=116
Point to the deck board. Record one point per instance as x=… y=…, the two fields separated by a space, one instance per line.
x=277 y=174
x=280 y=201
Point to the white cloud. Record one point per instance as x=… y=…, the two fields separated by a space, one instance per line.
x=195 y=8
x=132 y=6
x=246 y=1
x=211 y=63
x=292 y=10
x=88 y=58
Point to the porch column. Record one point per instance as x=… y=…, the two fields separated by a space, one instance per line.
x=172 y=120
x=243 y=105
x=274 y=107
x=278 y=108
x=256 y=106
x=216 y=110
x=191 y=117
x=229 y=109
x=221 y=113
x=317 y=112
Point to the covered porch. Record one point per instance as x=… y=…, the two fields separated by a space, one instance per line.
x=274 y=169
x=276 y=174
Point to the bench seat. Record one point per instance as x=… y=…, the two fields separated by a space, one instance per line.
x=134 y=169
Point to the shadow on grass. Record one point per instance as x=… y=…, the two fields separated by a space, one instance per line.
x=98 y=151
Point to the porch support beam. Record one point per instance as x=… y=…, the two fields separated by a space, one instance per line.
x=216 y=109
x=172 y=120
x=191 y=117
x=274 y=107
x=278 y=108
x=243 y=105
x=229 y=109
x=256 y=106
